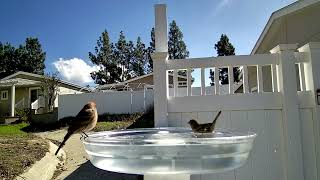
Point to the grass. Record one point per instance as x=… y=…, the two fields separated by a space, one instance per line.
x=13 y=129
x=107 y=126
x=18 y=150
x=109 y=122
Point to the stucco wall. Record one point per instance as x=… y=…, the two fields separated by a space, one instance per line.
x=4 y=104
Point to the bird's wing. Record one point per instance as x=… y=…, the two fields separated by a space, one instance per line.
x=85 y=114
x=83 y=117
x=205 y=127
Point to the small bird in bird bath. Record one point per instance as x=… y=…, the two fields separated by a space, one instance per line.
x=84 y=122
x=203 y=128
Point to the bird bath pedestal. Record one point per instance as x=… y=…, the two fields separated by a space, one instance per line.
x=168 y=153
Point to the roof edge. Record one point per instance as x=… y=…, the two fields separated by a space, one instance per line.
x=41 y=76
x=279 y=13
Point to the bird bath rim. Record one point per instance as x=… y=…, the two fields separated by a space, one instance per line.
x=100 y=138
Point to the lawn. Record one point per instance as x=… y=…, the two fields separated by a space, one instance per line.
x=107 y=122
x=18 y=150
x=13 y=129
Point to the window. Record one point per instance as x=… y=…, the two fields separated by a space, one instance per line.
x=4 y=95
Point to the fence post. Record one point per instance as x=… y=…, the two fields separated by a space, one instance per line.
x=312 y=77
x=290 y=112
x=159 y=58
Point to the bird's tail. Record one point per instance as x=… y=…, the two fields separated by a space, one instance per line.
x=66 y=137
x=215 y=119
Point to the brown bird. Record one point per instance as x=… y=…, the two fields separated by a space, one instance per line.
x=85 y=121
x=203 y=128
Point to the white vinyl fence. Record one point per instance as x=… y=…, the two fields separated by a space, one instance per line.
x=285 y=120
x=115 y=102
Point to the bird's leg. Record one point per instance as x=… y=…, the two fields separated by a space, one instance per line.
x=85 y=134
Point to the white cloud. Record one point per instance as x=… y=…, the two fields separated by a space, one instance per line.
x=75 y=69
x=222 y=4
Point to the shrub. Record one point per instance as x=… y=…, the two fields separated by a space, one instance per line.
x=23 y=113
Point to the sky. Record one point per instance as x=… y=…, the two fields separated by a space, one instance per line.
x=69 y=29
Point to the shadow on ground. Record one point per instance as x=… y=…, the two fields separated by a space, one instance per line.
x=88 y=171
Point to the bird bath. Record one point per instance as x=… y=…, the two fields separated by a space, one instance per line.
x=168 y=151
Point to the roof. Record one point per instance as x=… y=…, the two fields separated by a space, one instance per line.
x=300 y=4
x=131 y=80
x=18 y=82
x=22 y=81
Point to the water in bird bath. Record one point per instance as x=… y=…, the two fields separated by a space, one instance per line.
x=168 y=151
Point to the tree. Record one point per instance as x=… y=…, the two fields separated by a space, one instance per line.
x=129 y=59
x=138 y=60
x=151 y=49
x=121 y=52
x=31 y=57
x=8 y=63
x=104 y=57
x=50 y=87
x=225 y=48
x=28 y=57
x=177 y=49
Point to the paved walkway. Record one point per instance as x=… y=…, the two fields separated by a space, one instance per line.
x=77 y=165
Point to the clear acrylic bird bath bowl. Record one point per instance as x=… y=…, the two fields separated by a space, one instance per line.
x=168 y=150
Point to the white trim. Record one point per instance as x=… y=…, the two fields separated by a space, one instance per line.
x=1 y=97
x=41 y=76
x=23 y=73
x=279 y=13
x=223 y=61
x=29 y=96
x=250 y=101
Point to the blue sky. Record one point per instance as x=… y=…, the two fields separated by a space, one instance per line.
x=68 y=30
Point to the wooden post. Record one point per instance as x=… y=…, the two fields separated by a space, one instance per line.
x=290 y=111
x=312 y=83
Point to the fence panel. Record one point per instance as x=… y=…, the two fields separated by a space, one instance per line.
x=116 y=102
x=266 y=159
